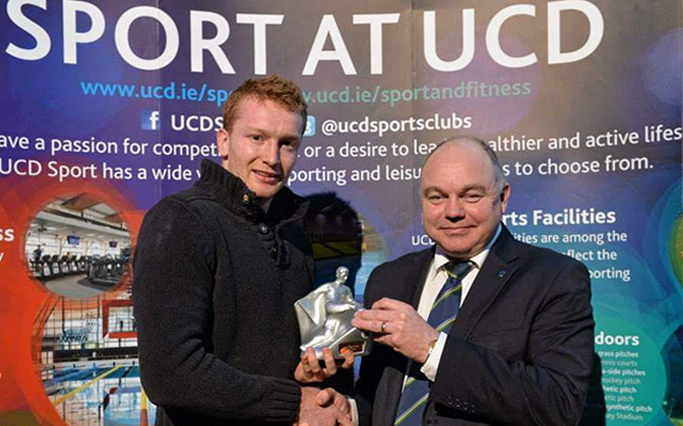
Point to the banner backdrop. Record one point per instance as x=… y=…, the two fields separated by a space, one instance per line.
x=110 y=106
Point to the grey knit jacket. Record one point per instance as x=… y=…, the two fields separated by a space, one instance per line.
x=215 y=280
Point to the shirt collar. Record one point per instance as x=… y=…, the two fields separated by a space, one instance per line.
x=231 y=192
x=440 y=257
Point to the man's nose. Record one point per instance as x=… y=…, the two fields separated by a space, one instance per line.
x=271 y=153
x=454 y=208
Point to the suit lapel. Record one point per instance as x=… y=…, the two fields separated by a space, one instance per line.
x=492 y=278
x=417 y=279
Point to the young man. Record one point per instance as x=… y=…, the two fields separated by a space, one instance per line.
x=218 y=268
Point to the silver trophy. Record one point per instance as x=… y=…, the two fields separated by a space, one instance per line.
x=325 y=316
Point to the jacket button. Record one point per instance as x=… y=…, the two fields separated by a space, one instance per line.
x=273 y=252
x=449 y=400
x=263 y=228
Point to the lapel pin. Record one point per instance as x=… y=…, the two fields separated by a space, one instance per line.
x=501 y=273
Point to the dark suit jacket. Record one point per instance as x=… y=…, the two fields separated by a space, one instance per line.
x=519 y=353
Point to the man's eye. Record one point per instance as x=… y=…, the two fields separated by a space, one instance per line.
x=289 y=144
x=434 y=198
x=473 y=198
x=256 y=138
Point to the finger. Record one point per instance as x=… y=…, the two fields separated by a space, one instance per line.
x=367 y=325
x=312 y=360
x=324 y=398
x=330 y=363
x=305 y=367
x=372 y=314
x=342 y=404
x=344 y=420
x=373 y=326
x=348 y=358
x=378 y=315
x=386 y=303
x=313 y=363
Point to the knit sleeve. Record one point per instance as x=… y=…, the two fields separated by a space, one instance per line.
x=172 y=289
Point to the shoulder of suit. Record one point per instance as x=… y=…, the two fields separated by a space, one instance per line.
x=546 y=255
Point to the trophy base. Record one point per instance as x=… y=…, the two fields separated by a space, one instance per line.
x=357 y=341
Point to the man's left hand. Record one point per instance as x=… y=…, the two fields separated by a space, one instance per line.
x=309 y=370
x=398 y=325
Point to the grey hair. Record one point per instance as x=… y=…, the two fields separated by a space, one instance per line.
x=501 y=181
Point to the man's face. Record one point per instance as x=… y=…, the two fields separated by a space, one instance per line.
x=261 y=148
x=461 y=206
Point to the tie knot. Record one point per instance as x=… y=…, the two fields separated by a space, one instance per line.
x=458 y=269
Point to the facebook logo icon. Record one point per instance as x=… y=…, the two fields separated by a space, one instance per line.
x=310 y=126
x=149 y=119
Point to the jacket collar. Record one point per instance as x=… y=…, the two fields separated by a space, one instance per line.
x=233 y=194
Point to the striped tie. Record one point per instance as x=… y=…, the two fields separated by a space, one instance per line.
x=441 y=316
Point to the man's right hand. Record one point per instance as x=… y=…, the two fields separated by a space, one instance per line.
x=323 y=408
x=329 y=396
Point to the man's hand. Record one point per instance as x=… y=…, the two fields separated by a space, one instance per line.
x=322 y=408
x=330 y=397
x=398 y=325
x=310 y=371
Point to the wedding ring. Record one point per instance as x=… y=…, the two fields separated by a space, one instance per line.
x=384 y=326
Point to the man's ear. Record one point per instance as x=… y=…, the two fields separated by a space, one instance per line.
x=505 y=196
x=223 y=143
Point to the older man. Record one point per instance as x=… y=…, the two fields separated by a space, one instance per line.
x=481 y=329
x=218 y=268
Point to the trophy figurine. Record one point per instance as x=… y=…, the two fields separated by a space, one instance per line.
x=325 y=316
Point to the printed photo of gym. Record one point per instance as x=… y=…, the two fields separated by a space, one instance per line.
x=78 y=247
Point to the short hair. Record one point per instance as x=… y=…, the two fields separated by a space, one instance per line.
x=272 y=88
x=501 y=181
